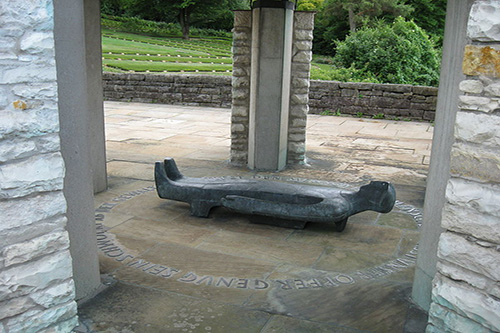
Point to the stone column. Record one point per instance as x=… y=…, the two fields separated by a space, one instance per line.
x=439 y=170
x=466 y=294
x=272 y=29
x=75 y=121
x=268 y=126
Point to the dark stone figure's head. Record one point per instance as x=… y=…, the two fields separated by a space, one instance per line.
x=381 y=196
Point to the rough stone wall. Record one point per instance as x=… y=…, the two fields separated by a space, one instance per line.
x=303 y=25
x=240 y=111
x=392 y=100
x=36 y=286
x=201 y=90
x=369 y=99
x=466 y=293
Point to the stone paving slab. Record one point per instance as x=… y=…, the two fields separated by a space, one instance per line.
x=172 y=272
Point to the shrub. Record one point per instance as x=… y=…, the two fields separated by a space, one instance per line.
x=400 y=52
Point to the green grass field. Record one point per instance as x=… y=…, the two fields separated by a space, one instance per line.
x=128 y=52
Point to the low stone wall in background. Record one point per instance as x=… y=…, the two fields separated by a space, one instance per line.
x=197 y=90
x=368 y=99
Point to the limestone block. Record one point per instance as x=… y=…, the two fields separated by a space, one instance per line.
x=31 y=72
x=15 y=149
x=303 y=20
x=493 y=89
x=467 y=302
x=300 y=83
x=38 y=91
x=28 y=123
x=471 y=222
x=35 y=275
x=299 y=98
x=240 y=82
x=302 y=45
x=236 y=128
x=478 y=103
x=25 y=14
x=469 y=161
x=302 y=57
x=34 y=248
x=456 y=249
x=19 y=213
x=15 y=306
x=443 y=320
x=35 y=42
x=303 y=35
x=36 y=174
x=481 y=60
x=478 y=128
x=484 y=21
x=297 y=147
x=57 y=294
x=458 y=273
x=239 y=111
x=36 y=321
x=471 y=86
x=481 y=197
x=243 y=18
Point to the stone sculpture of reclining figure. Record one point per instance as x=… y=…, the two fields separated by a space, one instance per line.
x=297 y=202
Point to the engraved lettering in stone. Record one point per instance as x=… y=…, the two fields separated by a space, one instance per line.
x=105 y=207
x=207 y=279
x=113 y=251
x=242 y=283
x=330 y=282
x=104 y=243
x=314 y=283
x=260 y=284
x=223 y=281
x=101 y=236
x=99 y=217
x=285 y=284
x=127 y=256
x=188 y=278
x=156 y=269
x=300 y=284
x=146 y=268
x=138 y=263
x=364 y=275
x=344 y=279
x=170 y=272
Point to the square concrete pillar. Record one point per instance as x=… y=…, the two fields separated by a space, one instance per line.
x=271 y=58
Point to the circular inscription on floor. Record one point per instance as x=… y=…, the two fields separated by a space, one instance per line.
x=109 y=245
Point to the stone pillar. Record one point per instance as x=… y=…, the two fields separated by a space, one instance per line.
x=272 y=24
x=93 y=56
x=270 y=95
x=466 y=294
x=75 y=122
x=439 y=170
x=36 y=287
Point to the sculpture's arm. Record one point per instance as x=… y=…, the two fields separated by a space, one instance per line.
x=319 y=212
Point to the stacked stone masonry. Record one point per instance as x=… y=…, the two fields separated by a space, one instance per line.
x=392 y=100
x=466 y=293
x=36 y=287
x=242 y=36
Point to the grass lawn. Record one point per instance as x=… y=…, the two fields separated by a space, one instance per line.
x=129 y=52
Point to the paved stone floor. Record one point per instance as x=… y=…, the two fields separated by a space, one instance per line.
x=170 y=272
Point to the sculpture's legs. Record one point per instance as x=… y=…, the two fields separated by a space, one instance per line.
x=340 y=226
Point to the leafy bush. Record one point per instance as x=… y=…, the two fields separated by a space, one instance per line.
x=332 y=73
x=400 y=52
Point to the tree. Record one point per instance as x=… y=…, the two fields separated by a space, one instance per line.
x=430 y=15
x=185 y=12
x=400 y=52
x=358 y=11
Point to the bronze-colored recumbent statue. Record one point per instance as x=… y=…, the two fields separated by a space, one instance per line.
x=297 y=202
